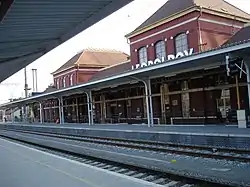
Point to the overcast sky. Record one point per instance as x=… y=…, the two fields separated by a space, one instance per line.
x=108 y=33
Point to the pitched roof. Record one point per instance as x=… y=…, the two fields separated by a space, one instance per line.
x=95 y=58
x=172 y=7
x=68 y=64
x=50 y=89
x=242 y=35
x=112 y=70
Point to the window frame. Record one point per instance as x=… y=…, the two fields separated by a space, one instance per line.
x=184 y=44
x=144 y=57
x=58 y=83
x=64 y=82
x=71 y=79
x=162 y=45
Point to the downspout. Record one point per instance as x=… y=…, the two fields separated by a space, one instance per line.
x=77 y=74
x=200 y=42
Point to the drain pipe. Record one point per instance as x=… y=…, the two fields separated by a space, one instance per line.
x=199 y=31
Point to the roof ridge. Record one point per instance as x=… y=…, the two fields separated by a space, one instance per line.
x=102 y=50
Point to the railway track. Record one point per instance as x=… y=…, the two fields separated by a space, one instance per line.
x=189 y=150
x=160 y=179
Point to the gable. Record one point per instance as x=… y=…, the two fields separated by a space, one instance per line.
x=174 y=8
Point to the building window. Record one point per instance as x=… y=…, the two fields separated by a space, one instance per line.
x=143 y=56
x=58 y=83
x=61 y=82
x=160 y=49
x=71 y=80
x=181 y=43
x=64 y=82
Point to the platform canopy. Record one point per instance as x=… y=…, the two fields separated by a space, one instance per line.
x=31 y=28
x=198 y=61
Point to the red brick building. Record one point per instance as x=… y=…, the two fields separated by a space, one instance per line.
x=179 y=25
x=178 y=28
x=81 y=67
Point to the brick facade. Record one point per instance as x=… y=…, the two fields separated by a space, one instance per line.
x=214 y=31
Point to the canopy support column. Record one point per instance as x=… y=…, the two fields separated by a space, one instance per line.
x=41 y=111
x=149 y=103
x=3 y=115
x=61 y=110
x=11 y=115
x=247 y=65
x=90 y=107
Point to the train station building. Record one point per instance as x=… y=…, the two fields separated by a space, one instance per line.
x=187 y=65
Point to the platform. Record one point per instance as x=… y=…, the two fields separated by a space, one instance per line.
x=227 y=172
x=221 y=136
x=217 y=130
x=28 y=167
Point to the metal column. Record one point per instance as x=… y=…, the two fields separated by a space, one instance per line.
x=147 y=85
x=12 y=115
x=3 y=117
x=150 y=102
x=147 y=103
x=24 y=113
x=90 y=107
x=77 y=111
x=41 y=112
x=61 y=111
x=248 y=82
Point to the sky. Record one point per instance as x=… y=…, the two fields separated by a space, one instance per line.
x=108 y=33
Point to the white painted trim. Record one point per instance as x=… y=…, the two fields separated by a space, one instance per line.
x=58 y=72
x=220 y=23
x=164 y=30
x=74 y=70
x=90 y=69
x=183 y=23
x=65 y=73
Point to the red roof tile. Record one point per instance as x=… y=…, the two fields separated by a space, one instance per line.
x=98 y=58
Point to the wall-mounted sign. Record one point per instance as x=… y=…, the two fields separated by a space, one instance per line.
x=164 y=59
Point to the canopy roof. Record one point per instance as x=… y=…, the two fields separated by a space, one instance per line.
x=31 y=28
x=208 y=59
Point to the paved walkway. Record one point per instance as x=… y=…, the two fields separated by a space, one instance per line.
x=27 y=167
x=203 y=168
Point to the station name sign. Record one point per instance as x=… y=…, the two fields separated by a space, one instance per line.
x=164 y=59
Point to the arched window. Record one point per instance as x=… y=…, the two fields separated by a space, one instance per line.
x=181 y=43
x=58 y=83
x=143 y=56
x=64 y=81
x=61 y=82
x=160 y=49
x=71 y=80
